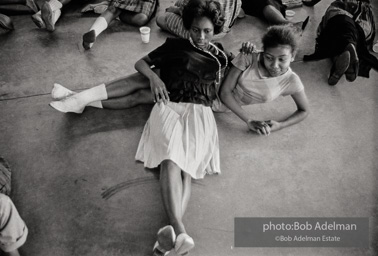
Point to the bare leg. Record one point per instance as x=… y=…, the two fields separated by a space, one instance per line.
x=122 y=93
x=274 y=16
x=186 y=190
x=132 y=18
x=140 y=97
x=100 y=24
x=160 y=21
x=111 y=13
x=175 y=190
x=172 y=191
x=12 y=253
x=126 y=85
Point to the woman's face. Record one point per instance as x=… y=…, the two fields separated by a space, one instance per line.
x=277 y=59
x=202 y=32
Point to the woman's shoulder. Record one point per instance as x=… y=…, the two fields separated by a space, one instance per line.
x=294 y=77
x=294 y=80
x=176 y=42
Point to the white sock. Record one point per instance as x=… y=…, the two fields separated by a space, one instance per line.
x=77 y=102
x=59 y=92
x=56 y=16
x=55 y=5
x=93 y=94
x=96 y=104
x=99 y=25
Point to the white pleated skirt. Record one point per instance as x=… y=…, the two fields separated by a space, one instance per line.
x=184 y=133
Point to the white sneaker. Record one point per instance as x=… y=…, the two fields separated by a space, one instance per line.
x=60 y=92
x=51 y=12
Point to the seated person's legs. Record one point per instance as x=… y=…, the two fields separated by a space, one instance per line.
x=274 y=16
x=49 y=14
x=125 y=13
x=6 y=22
x=339 y=41
x=125 y=92
x=161 y=21
x=133 y=18
x=100 y=24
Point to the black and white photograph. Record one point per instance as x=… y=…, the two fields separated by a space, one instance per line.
x=189 y=127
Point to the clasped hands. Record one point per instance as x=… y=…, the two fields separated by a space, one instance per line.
x=263 y=127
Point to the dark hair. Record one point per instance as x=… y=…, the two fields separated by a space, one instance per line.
x=203 y=8
x=281 y=35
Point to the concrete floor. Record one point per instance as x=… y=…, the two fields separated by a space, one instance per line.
x=80 y=191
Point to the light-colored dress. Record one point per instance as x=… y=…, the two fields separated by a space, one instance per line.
x=184 y=130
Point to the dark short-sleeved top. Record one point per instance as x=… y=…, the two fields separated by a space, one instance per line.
x=188 y=73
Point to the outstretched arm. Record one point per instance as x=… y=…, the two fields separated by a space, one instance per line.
x=300 y=114
x=228 y=99
x=158 y=89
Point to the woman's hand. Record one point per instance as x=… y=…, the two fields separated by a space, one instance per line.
x=259 y=127
x=248 y=48
x=158 y=89
x=274 y=125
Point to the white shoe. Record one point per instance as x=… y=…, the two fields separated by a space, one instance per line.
x=69 y=104
x=184 y=243
x=166 y=238
x=37 y=19
x=158 y=251
x=50 y=13
x=60 y=92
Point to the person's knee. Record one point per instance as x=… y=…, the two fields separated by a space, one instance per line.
x=170 y=167
x=187 y=178
x=140 y=19
x=161 y=21
x=143 y=96
x=113 y=10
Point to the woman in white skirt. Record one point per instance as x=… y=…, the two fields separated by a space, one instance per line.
x=181 y=135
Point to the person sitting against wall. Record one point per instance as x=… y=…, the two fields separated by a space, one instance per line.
x=262 y=76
